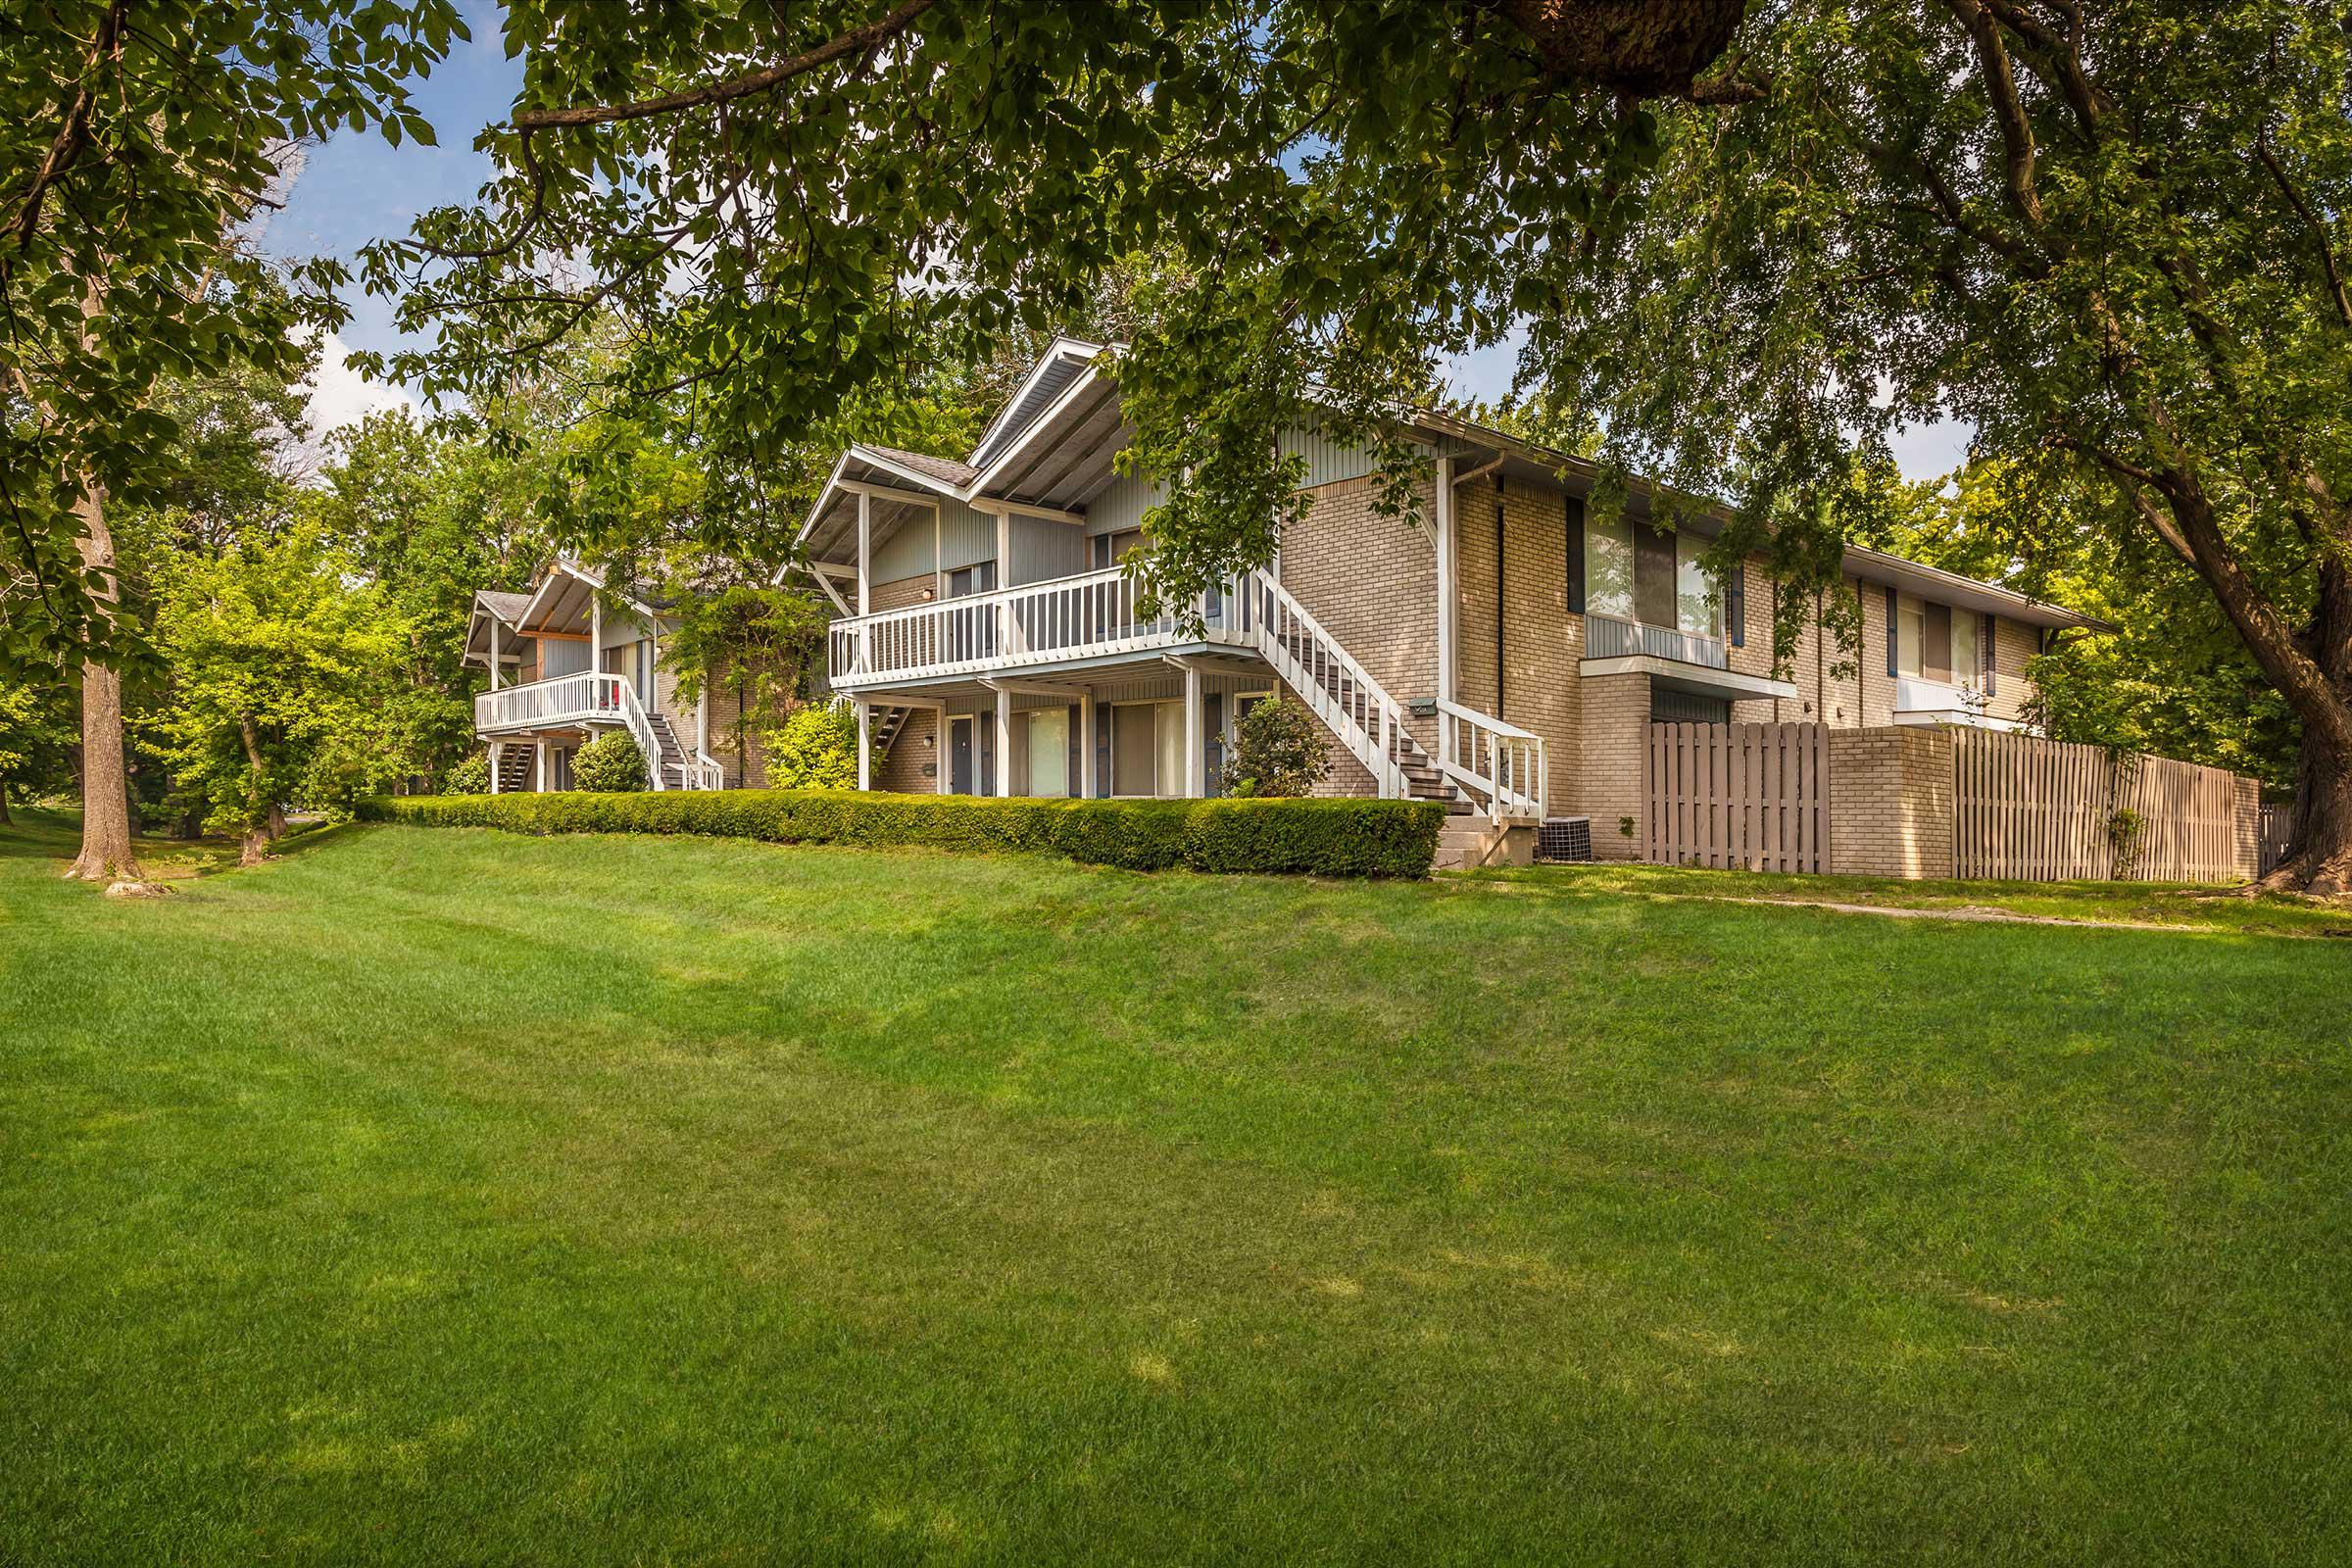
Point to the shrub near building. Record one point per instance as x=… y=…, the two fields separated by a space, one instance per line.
x=611 y=765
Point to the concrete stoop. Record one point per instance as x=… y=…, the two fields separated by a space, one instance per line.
x=1468 y=842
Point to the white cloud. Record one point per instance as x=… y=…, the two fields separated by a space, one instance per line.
x=339 y=395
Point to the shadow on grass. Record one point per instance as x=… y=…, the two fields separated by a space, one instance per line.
x=37 y=833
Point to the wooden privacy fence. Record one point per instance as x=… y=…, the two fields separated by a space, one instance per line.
x=2038 y=811
x=1926 y=801
x=2275 y=837
x=1755 y=796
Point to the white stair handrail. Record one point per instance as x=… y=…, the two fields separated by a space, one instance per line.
x=1498 y=766
x=640 y=728
x=1371 y=722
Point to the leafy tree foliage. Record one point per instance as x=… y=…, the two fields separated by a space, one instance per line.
x=609 y=765
x=428 y=516
x=278 y=668
x=134 y=142
x=36 y=742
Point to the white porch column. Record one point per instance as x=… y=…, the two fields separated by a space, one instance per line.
x=1446 y=591
x=1088 y=781
x=701 y=721
x=941 y=741
x=866 y=741
x=1004 y=744
x=596 y=634
x=1195 y=747
x=494 y=653
x=494 y=750
x=539 y=768
x=865 y=552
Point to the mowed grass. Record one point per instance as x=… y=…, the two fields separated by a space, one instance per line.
x=2181 y=906
x=440 y=1197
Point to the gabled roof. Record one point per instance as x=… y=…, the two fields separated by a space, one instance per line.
x=506 y=607
x=1065 y=361
x=946 y=471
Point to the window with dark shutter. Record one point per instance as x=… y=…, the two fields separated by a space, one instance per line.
x=1891 y=668
x=1985 y=652
x=1573 y=514
x=1735 y=604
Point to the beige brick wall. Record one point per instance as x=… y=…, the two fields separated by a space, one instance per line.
x=900 y=592
x=1609 y=752
x=1540 y=641
x=1371 y=581
x=915 y=750
x=1890 y=801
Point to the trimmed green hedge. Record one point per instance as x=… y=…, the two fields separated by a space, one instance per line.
x=1317 y=836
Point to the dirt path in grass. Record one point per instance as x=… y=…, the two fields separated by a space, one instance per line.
x=1980 y=913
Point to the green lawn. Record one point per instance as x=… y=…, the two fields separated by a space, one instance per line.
x=438 y=1196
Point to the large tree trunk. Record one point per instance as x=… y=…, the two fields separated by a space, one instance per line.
x=105 y=854
x=2322 y=861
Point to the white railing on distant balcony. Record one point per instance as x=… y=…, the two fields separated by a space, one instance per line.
x=585 y=698
x=1498 y=766
x=1609 y=637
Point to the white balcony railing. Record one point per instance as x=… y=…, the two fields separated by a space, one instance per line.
x=1084 y=616
x=1608 y=637
x=586 y=698
x=1913 y=695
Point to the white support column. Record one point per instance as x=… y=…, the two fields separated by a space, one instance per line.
x=865 y=552
x=494 y=653
x=1195 y=740
x=539 y=768
x=1448 y=592
x=939 y=556
x=1004 y=744
x=596 y=635
x=702 y=721
x=940 y=743
x=1088 y=781
x=865 y=734
x=495 y=748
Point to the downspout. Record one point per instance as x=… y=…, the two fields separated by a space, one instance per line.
x=1498 y=620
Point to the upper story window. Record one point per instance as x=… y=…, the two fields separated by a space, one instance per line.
x=1936 y=642
x=1108 y=548
x=1637 y=573
x=977 y=578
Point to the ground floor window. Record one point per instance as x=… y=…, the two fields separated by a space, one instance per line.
x=1133 y=749
x=1048 y=752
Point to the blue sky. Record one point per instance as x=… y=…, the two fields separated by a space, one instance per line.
x=357 y=188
